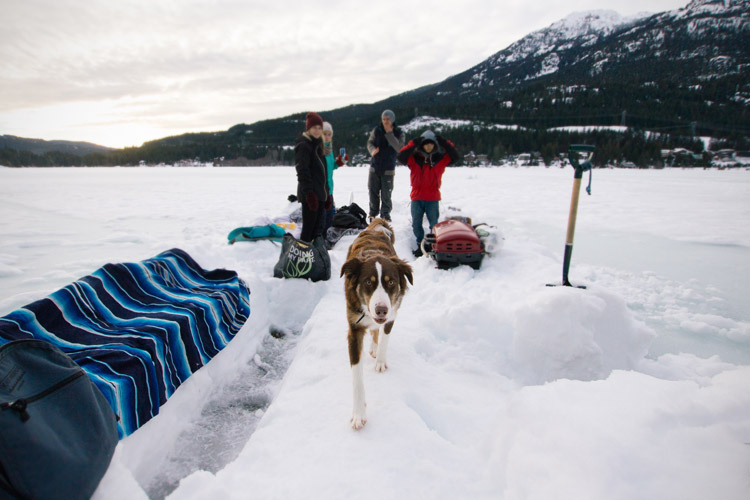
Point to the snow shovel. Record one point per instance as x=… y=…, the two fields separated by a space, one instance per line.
x=580 y=157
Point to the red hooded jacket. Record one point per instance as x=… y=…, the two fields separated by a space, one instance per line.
x=427 y=170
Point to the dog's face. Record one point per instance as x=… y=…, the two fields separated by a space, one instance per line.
x=379 y=284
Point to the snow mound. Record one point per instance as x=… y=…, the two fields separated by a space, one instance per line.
x=567 y=431
x=564 y=332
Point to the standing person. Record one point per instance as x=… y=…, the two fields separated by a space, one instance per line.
x=312 y=178
x=331 y=165
x=384 y=143
x=426 y=156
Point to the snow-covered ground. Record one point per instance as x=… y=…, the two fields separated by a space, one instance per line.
x=499 y=386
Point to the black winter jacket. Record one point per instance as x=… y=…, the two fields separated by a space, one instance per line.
x=312 y=176
x=385 y=160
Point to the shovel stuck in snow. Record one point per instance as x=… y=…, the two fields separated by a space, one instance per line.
x=580 y=157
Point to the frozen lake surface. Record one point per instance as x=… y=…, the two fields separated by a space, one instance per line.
x=498 y=387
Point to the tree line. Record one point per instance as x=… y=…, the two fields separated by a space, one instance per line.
x=639 y=147
x=677 y=115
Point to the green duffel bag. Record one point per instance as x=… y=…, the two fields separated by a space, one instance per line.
x=57 y=431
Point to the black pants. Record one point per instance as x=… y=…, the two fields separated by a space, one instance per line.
x=311 y=220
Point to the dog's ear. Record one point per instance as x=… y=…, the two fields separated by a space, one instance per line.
x=351 y=267
x=404 y=271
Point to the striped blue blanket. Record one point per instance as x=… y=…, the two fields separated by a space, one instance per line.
x=138 y=329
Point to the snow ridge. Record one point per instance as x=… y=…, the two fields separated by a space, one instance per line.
x=703 y=25
x=590 y=25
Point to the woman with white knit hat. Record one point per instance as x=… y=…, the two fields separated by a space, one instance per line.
x=331 y=165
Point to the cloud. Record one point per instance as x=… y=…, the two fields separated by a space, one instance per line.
x=211 y=64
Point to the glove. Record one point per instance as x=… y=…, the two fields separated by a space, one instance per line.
x=417 y=141
x=312 y=201
x=340 y=162
x=442 y=140
x=329 y=202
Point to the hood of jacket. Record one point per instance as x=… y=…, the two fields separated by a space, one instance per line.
x=429 y=135
x=306 y=139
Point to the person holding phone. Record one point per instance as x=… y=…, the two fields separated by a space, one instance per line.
x=331 y=165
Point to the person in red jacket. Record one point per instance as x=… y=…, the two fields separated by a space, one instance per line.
x=426 y=156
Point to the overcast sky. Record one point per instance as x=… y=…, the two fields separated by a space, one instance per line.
x=121 y=72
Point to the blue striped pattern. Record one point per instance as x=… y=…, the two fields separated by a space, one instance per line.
x=138 y=329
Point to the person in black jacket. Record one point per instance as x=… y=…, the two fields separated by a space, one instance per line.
x=312 y=177
x=383 y=144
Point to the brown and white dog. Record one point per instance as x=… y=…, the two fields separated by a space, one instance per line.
x=375 y=284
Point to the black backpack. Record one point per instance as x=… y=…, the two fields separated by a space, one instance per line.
x=351 y=216
x=57 y=431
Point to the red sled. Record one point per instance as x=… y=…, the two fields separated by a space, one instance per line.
x=453 y=243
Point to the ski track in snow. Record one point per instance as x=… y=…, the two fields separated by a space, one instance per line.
x=229 y=418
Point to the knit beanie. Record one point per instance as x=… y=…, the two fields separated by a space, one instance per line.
x=313 y=119
x=390 y=114
x=327 y=146
x=429 y=136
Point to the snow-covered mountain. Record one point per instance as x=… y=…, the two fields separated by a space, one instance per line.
x=706 y=34
x=687 y=65
x=580 y=29
x=682 y=72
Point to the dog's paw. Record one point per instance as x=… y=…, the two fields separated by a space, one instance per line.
x=358 y=421
x=381 y=366
x=374 y=350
